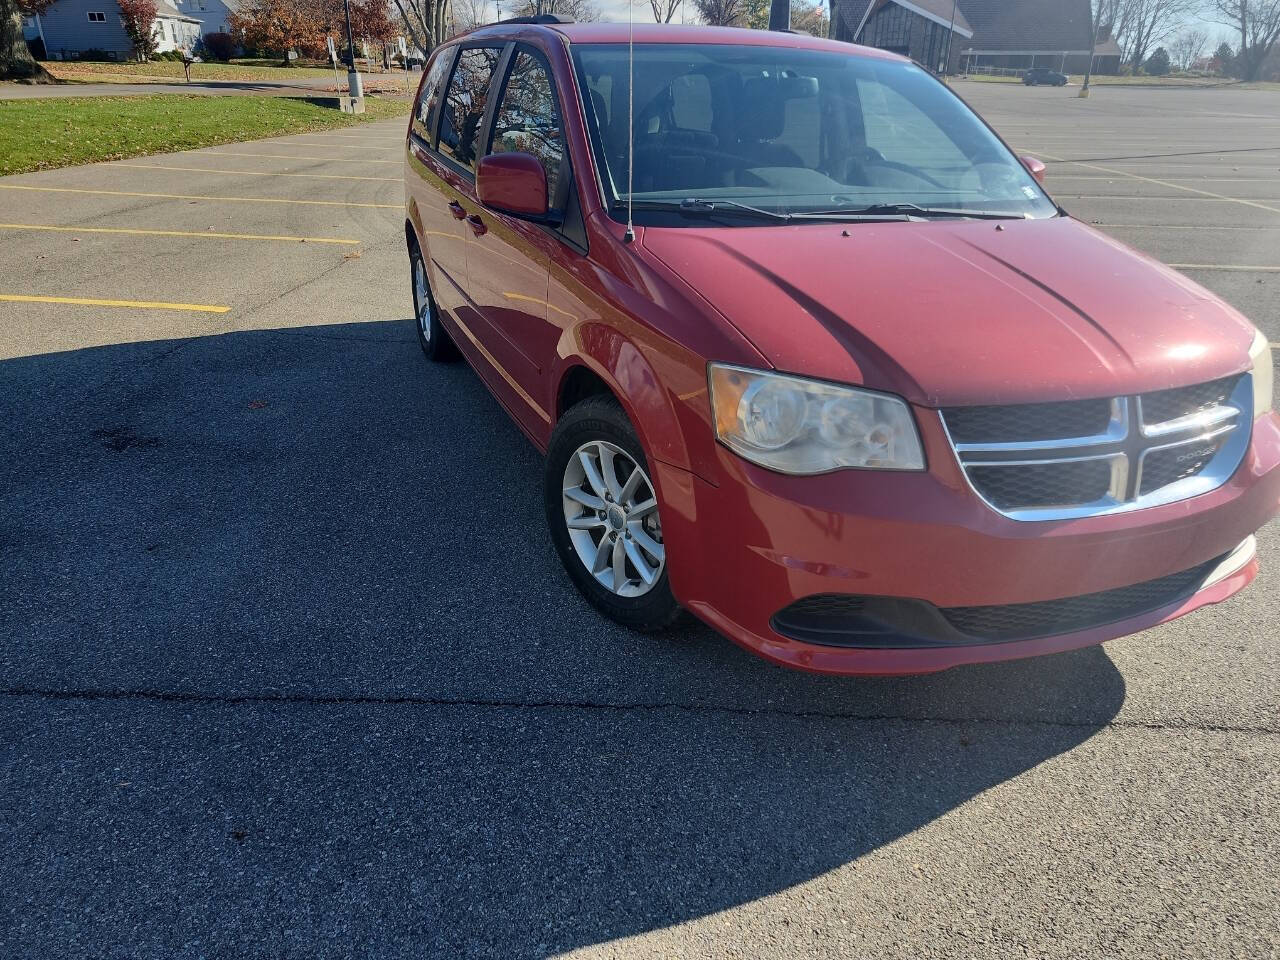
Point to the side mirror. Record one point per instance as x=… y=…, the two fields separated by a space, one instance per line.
x=513 y=183
x=1035 y=167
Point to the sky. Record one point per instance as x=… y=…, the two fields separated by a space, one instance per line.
x=616 y=11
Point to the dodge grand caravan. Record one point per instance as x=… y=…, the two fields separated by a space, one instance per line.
x=814 y=356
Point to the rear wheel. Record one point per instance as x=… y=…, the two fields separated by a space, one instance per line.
x=602 y=510
x=432 y=337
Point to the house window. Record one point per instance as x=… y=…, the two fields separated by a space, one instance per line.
x=96 y=16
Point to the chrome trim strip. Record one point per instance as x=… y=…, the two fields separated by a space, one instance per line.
x=1204 y=420
x=1233 y=562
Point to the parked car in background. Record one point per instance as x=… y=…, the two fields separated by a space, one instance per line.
x=813 y=355
x=1038 y=76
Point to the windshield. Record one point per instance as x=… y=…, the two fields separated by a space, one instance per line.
x=793 y=131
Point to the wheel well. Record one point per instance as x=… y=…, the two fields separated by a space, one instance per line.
x=579 y=384
x=410 y=237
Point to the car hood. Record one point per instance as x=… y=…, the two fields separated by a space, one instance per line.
x=960 y=312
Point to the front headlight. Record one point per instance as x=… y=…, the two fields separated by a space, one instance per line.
x=794 y=425
x=1264 y=375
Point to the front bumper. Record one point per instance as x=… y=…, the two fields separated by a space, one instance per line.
x=746 y=548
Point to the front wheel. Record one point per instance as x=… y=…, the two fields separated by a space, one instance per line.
x=602 y=510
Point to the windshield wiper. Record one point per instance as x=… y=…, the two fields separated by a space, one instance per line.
x=696 y=205
x=699 y=206
x=915 y=210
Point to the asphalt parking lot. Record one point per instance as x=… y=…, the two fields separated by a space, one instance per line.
x=289 y=667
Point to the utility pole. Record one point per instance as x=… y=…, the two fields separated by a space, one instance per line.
x=355 y=89
x=951 y=36
x=780 y=15
x=1093 y=45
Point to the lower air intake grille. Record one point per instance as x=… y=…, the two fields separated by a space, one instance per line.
x=1019 y=621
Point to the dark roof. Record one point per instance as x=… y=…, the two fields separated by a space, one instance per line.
x=943 y=11
x=1000 y=25
x=1028 y=25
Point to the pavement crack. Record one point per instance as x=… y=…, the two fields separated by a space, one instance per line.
x=202 y=698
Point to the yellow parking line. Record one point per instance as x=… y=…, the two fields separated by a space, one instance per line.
x=136 y=304
x=172 y=233
x=351 y=136
x=197 y=196
x=286 y=156
x=1230 y=267
x=258 y=173
x=1165 y=183
x=394 y=146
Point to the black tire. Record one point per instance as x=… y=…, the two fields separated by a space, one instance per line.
x=434 y=340
x=601 y=418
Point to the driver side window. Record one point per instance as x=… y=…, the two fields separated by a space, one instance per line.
x=528 y=120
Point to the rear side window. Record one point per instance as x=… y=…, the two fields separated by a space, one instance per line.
x=528 y=120
x=428 y=107
x=463 y=110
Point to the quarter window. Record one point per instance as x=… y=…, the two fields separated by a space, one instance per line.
x=463 y=109
x=424 y=117
x=528 y=120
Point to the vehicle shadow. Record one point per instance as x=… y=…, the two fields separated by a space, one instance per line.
x=290 y=669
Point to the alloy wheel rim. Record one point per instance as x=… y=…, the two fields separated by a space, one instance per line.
x=421 y=299
x=611 y=514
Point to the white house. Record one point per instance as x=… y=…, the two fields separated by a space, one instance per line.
x=214 y=15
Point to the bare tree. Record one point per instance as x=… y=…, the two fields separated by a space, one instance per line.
x=664 y=11
x=426 y=21
x=583 y=11
x=718 y=13
x=1189 y=46
x=1257 y=22
x=1142 y=25
x=809 y=17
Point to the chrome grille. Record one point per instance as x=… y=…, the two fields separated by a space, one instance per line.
x=1167 y=405
x=1052 y=461
x=1043 y=484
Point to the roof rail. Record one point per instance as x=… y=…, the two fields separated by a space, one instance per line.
x=540 y=18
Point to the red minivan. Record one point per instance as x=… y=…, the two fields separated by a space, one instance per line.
x=814 y=356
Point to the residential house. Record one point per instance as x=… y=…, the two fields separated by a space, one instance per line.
x=214 y=15
x=71 y=27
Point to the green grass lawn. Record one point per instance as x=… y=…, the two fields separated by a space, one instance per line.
x=42 y=134
x=166 y=71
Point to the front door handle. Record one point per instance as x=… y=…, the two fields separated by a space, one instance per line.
x=457 y=210
x=477 y=225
